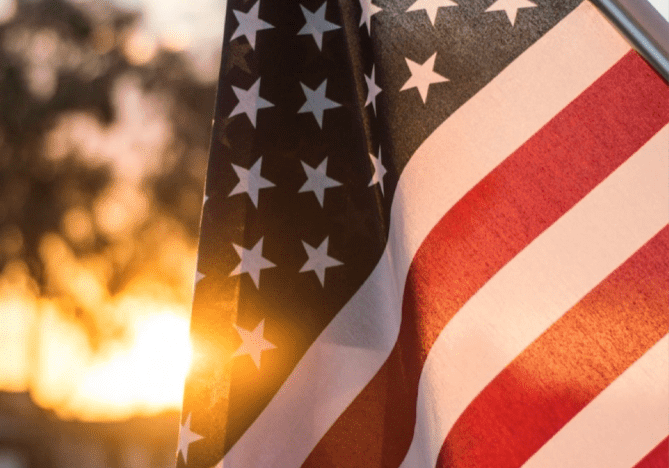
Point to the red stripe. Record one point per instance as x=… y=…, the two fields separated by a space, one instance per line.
x=567 y=366
x=510 y=207
x=657 y=458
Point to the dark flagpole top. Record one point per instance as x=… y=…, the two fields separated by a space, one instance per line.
x=644 y=27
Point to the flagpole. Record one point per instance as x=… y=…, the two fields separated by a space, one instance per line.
x=644 y=27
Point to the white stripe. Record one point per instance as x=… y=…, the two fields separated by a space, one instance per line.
x=621 y=425
x=475 y=139
x=536 y=288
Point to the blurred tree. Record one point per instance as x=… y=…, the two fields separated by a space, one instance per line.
x=103 y=145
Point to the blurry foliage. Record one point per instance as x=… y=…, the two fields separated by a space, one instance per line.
x=75 y=78
x=35 y=191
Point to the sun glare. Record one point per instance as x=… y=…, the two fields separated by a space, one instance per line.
x=50 y=355
x=17 y=319
x=149 y=374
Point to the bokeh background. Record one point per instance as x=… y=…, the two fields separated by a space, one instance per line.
x=105 y=118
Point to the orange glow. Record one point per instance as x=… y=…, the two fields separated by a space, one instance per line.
x=129 y=354
x=18 y=321
x=143 y=377
x=150 y=373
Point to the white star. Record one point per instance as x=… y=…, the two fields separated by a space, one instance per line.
x=250 y=181
x=379 y=171
x=422 y=76
x=198 y=277
x=318 y=260
x=317 y=103
x=368 y=9
x=251 y=262
x=373 y=90
x=186 y=437
x=249 y=102
x=431 y=7
x=316 y=24
x=510 y=7
x=204 y=200
x=253 y=343
x=317 y=180
x=249 y=24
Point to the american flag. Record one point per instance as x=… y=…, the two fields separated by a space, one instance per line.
x=434 y=234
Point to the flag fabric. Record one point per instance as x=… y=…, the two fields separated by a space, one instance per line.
x=434 y=234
